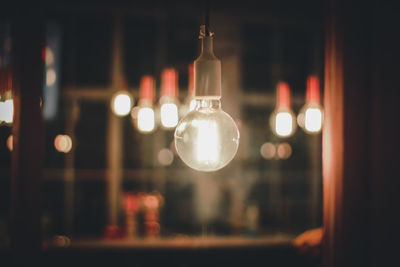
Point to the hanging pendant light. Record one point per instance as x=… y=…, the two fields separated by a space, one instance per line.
x=282 y=120
x=168 y=102
x=145 y=119
x=121 y=103
x=310 y=117
x=207 y=138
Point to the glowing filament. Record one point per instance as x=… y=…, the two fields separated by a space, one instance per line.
x=145 y=119
x=284 y=124
x=169 y=115
x=207 y=141
x=313 y=120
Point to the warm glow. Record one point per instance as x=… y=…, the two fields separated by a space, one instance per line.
x=50 y=77
x=151 y=202
x=7 y=111
x=268 y=150
x=9 y=142
x=63 y=143
x=121 y=104
x=284 y=151
x=207 y=141
x=165 y=157
x=284 y=124
x=145 y=119
x=169 y=115
x=313 y=120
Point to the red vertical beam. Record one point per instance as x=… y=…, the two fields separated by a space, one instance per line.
x=25 y=213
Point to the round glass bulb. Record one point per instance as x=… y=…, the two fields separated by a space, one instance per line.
x=207 y=138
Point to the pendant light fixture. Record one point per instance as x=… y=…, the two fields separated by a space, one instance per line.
x=310 y=117
x=207 y=138
x=145 y=119
x=122 y=101
x=282 y=120
x=168 y=101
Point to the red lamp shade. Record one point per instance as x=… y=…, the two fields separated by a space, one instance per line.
x=283 y=95
x=169 y=83
x=312 y=92
x=147 y=88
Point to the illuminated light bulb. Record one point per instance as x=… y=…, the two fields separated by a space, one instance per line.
x=7 y=111
x=168 y=102
x=63 y=143
x=310 y=117
x=282 y=120
x=121 y=103
x=207 y=138
x=145 y=118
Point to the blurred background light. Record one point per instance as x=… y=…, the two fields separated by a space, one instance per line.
x=268 y=150
x=63 y=143
x=284 y=150
x=121 y=103
x=165 y=157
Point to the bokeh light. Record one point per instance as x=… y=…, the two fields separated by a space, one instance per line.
x=284 y=150
x=284 y=124
x=169 y=115
x=165 y=157
x=121 y=103
x=268 y=150
x=63 y=143
x=145 y=119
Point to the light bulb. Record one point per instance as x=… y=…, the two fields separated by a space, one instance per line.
x=169 y=114
x=7 y=111
x=282 y=120
x=145 y=117
x=310 y=117
x=169 y=111
x=121 y=103
x=207 y=138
